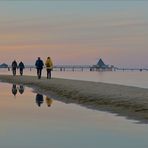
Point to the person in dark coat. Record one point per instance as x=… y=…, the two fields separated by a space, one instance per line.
x=21 y=67
x=14 y=67
x=39 y=66
x=39 y=99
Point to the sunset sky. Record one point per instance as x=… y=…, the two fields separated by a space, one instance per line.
x=75 y=32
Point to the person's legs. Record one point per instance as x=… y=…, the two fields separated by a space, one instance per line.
x=21 y=71
x=48 y=73
x=38 y=72
x=14 y=71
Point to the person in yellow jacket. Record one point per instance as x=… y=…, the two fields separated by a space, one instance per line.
x=49 y=66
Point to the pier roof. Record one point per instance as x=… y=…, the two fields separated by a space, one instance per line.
x=100 y=63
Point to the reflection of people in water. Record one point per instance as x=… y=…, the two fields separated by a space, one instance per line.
x=48 y=101
x=21 y=89
x=14 y=89
x=39 y=99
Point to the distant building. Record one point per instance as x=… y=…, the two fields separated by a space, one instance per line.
x=102 y=66
x=3 y=65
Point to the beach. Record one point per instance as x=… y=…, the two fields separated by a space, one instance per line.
x=128 y=101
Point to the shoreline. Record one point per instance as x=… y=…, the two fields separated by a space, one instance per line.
x=128 y=101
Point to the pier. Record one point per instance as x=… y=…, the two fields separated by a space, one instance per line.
x=74 y=68
x=82 y=68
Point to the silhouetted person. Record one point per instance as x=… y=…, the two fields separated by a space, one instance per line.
x=21 y=89
x=48 y=101
x=14 y=89
x=49 y=66
x=21 y=67
x=39 y=99
x=39 y=66
x=14 y=67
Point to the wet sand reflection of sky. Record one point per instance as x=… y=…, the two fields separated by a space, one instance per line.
x=61 y=125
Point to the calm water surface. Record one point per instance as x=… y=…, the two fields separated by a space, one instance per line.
x=129 y=78
x=31 y=120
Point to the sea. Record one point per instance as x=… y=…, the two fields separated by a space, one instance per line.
x=128 y=78
x=34 y=120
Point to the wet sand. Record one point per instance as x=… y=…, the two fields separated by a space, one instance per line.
x=131 y=102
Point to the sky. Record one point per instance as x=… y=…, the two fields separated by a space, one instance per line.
x=77 y=32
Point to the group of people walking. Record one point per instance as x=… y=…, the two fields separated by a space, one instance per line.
x=39 y=64
x=15 y=66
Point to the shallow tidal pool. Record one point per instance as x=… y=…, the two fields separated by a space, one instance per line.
x=29 y=119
